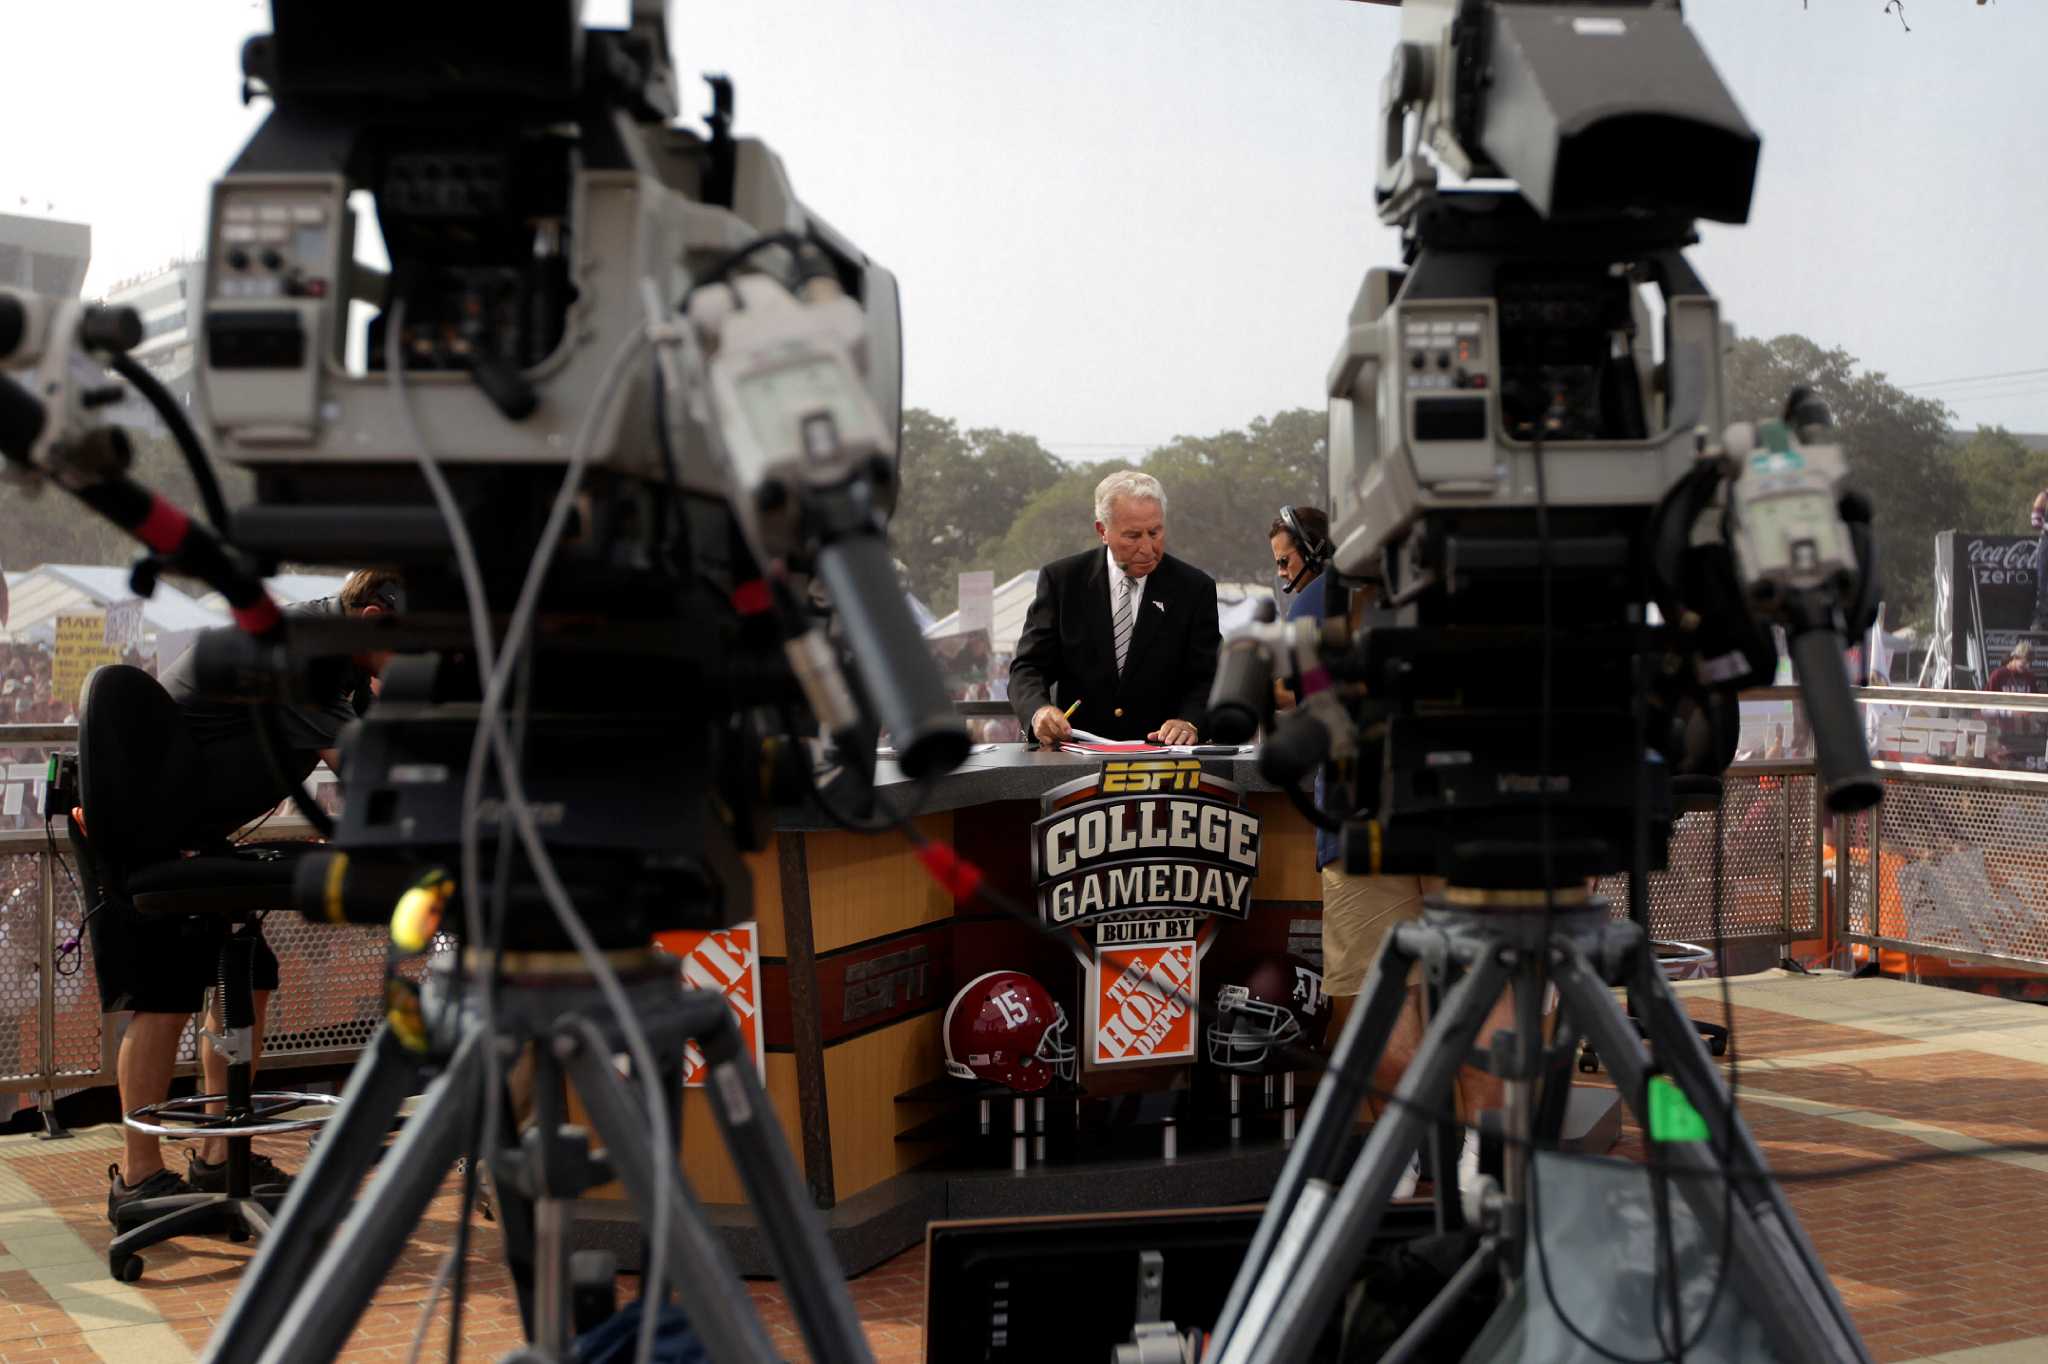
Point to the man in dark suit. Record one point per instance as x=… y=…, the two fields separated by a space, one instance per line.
x=1124 y=636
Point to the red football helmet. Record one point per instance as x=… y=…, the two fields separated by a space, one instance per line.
x=1006 y=1028
x=1270 y=1002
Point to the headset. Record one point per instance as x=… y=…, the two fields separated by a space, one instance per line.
x=1315 y=549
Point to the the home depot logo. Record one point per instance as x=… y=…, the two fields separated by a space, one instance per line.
x=727 y=962
x=1144 y=1007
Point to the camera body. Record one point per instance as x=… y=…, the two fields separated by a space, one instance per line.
x=1520 y=316
x=1577 y=577
x=581 y=296
x=529 y=190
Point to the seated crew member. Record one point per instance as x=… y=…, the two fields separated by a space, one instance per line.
x=159 y=971
x=1359 y=911
x=1124 y=636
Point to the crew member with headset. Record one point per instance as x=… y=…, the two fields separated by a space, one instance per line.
x=1360 y=910
x=1121 y=640
x=157 y=971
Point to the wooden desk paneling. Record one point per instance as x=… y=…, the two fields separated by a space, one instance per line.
x=865 y=886
x=863 y=1076
x=766 y=869
x=710 y=1169
x=1287 y=850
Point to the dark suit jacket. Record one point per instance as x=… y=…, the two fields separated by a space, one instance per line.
x=1068 y=648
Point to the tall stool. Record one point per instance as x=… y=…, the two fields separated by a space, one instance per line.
x=138 y=770
x=237 y=1213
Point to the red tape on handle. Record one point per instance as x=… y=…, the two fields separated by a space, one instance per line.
x=164 y=528
x=960 y=878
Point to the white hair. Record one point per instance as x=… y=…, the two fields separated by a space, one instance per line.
x=1127 y=483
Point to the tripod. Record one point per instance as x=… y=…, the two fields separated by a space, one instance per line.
x=1321 y=1219
x=316 y=1272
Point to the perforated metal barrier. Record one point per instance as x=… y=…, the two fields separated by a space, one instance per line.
x=1956 y=865
x=1768 y=882
x=1961 y=872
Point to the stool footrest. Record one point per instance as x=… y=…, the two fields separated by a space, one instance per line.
x=185 y=1118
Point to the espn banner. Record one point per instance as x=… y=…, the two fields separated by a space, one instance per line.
x=1140 y=861
x=1144 y=834
x=729 y=962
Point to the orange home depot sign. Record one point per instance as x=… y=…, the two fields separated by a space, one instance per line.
x=1141 y=1005
x=729 y=963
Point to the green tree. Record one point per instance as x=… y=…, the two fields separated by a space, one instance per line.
x=1898 y=445
x=960 y=491
x=1222 y=492
x=2000 y=476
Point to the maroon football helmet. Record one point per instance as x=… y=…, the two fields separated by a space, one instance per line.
x=1006 y=1028
x=1269 y=1002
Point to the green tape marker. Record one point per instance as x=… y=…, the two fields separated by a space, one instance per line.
x=1672 y=1116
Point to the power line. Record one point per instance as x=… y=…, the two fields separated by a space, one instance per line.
x=1976 y=379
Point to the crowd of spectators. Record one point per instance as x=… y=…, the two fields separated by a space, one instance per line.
x=27 y=690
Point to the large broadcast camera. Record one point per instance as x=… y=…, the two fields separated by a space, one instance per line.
x=1579 y=563
x=601 y=334
x=542 y=214
x=1519 y=459
x=624 y=412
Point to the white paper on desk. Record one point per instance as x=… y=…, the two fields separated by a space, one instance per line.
x=1082 y=736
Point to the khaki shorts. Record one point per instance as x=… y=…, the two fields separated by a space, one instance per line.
x=1357 y=912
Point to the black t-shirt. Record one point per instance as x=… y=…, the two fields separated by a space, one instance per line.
x=307 y=727
x=234 y=782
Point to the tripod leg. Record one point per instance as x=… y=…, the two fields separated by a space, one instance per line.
x=1772 y=1267
x=1326 y=1129
x=698 y=1267
x=347 y=1148
x=325 y=1307
x=804 y=1261
x=1684 y=1053
x=1296 y=1296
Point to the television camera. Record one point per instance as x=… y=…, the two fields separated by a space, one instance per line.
x=1579 y=562
x=624 y=411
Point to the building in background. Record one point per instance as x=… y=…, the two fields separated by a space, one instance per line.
x=46 y=255
x=162 y=298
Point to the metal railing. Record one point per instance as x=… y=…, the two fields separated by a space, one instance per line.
x=1952 y=870
x=1959 y=848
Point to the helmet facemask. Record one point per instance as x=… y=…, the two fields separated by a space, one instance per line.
x=1053 y=1048
x=1247 y=1029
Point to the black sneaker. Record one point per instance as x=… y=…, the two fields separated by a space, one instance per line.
x=162 y=1184
x=264 y=1175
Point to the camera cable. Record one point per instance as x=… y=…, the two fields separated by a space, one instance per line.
x=497 y=663
x=187 y=440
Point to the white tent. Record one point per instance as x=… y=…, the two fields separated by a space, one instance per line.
x=38 y=596
x=1012 y=599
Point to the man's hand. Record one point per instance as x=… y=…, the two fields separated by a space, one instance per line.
x=1049 y=723
x=1173 y=732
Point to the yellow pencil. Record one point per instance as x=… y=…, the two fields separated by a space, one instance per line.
x=1071 y=709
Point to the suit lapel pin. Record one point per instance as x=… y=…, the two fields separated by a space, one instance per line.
x=1159 y=604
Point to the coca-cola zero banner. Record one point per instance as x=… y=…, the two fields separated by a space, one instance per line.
x=1988 y=581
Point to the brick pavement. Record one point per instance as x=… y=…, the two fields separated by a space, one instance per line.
x=1936 y=1261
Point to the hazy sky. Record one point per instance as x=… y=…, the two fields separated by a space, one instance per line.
x=1116 y=221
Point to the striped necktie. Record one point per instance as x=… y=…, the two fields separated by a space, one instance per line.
x=1123 y=625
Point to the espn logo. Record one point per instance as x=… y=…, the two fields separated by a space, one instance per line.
x=1137 y=776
